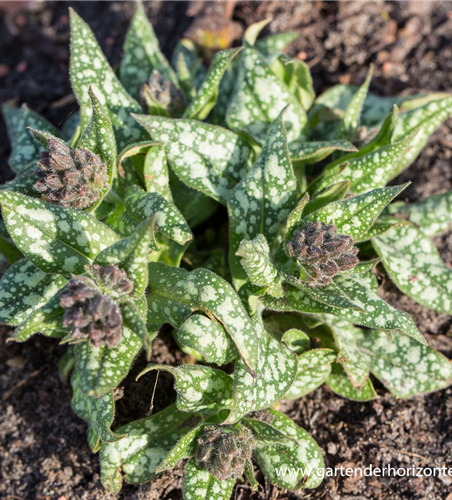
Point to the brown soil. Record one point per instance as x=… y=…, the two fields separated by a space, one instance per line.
x=43 y=448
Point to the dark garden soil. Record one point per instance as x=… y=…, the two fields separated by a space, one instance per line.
x=43 y=448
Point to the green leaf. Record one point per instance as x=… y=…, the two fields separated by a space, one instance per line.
x=355 y=364
x=198 y=387
x=414 y=264
x=142 y=55
x=146 y=443
x=258 y=265
x=264 y=198
x=301 y=453
x=131 y=254
x=432 y=214
x=207 y=95
x=349 y=124
x=99 y=413
x=276 y=370
x=201 y=485
x=25 y=149
x=23 y=289
x=253 y=31
x=294 y=218
x=169 y=221
x=205 y=157
x=428 y=118
x=272 y=45
x=296 y=340
x=99 y=138
x=378 y=312
x=355 y=216
x=314 y=367
x=404 y=366
x=207 y=337
x=370 y=171
x=89 y=67
x=336 y=192
x=134 y=315
x=313 y=152
x=55 y=239
x=383 y=224
x=205 y=291
x=339 y=383
x=259 y=97
x=156 y=175
x=101 y=369
x=300 y=82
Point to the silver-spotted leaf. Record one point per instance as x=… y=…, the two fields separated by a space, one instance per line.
x=296 y=340
x=55 y=239
x=201 y=485
x=339 y=383
x=315 y=151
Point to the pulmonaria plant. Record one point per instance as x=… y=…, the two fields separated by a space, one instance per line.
x=102 y=231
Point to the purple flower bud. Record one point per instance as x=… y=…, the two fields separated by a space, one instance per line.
x=322 y=253
x=70 y=177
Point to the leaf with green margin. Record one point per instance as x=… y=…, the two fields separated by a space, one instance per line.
x=294 y=218
x=355 y=216
x=259 y=97
x=101 y=369
x=315 y=151
x=339 y=383
x=169 y=221
x=23 y=289
x=89 y=67
x=46 y=320
x=258 y=265
x=263 y=199
x=355 y=364
x=404 y=366
x=264 y=432
x=296 y=340
x=99 y=413
x=414 y=264
x=134 y=319
x=207 y=95
x=272 y=45
x=99 y=138
x=383 y=224
x=142 y=55
x=276 y=370
x=432 y=214
x=205 y=291
x=201 y=485
x=189 y=65
x=205 y=157
x=336 y=192
x=349 y=124
x=301 y=453
x=207 y=337
x=370 y=280
x=199 y=388
x=184 y=448
x=24 y=148
x=155 y=172
x=131 y=254
x=56 y=239
x=378 y=313
x=146 y=443
x=314 y=367
x=362 y=267
x=163 y=309
x=428 y=118
x=370 y=171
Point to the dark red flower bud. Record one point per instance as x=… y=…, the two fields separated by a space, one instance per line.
x=113 y=280
x=322 y=253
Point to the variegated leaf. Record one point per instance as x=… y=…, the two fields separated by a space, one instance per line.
x=264 y=198
x=314 y=367
x=315 y=151
x=284 y=463
x=205 y=157
x=205 y=291
x=272 y=45
x=199 y=388
x=23 y=289
x=201 y=485
x=414 y=264
x=296 y=340
x=259 y=97
x=146 y=443
x=142 y=55
x=339 y=383
x=55 y=239
x=404 y=366
x=89 y=67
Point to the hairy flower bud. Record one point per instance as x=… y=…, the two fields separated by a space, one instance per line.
x=70 y=177
x=92 y=314
x=223 y=450
x=113 y=280
x=322 y=253
x=160 y=93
